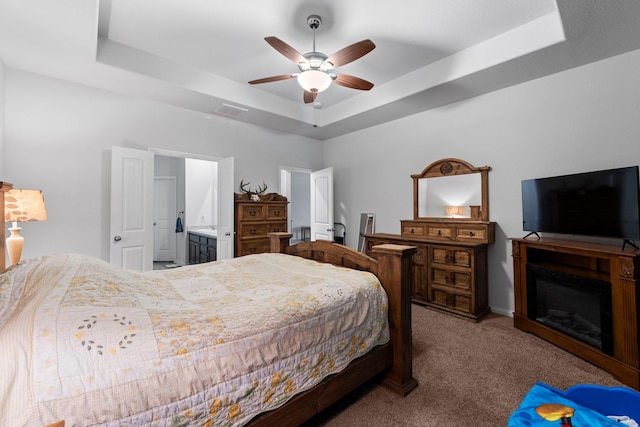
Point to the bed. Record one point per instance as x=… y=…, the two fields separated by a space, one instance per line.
x=84 y=343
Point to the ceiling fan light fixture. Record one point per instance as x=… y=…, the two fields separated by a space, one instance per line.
x=314 y=80
x=316 y=68
x=304 y=66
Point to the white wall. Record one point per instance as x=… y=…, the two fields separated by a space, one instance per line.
x=579 y=120
x=2 y=121
x=58 y=139
x=201 y=195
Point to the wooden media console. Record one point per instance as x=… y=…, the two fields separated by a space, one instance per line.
x=616 y=268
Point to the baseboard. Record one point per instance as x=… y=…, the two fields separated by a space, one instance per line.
x=496 y=310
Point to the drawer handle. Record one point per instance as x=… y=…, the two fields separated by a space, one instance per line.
x=276 y=229
x=439 y=232
x=277 y=213
x=252 y=231
x=471 y=233
x=412 y=231
x=252 y=212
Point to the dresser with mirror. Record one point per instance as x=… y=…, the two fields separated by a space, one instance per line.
x=451 y=231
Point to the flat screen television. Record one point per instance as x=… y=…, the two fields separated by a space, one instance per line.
x=601 y=204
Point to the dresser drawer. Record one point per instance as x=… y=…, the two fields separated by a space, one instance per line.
x=276 y=212
x=253 y=246
x=261 y=229
x=250 y=212
x=452 y=301
x=278 y=227
x=451 y=256
x=450 y=278
x=440 y=232
x=253 y=230
x=472 y=233
x=413 y=230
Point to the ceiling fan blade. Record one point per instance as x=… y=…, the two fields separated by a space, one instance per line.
x=309 y=97
x=351 y=53
x=285 y=49
x=353 y=82
x=272 y=79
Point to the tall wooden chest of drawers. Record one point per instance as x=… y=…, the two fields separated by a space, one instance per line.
x=254 y=219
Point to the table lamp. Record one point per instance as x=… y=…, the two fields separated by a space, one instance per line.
x=454 y=211
x=21 y=206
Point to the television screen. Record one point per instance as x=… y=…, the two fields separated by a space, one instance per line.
x=602 y=203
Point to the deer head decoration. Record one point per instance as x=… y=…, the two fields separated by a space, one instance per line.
x=253 y=195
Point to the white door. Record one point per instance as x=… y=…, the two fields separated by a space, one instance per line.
x=322 y=205
x=131 y=208
x=226 y=206
x=164 y=218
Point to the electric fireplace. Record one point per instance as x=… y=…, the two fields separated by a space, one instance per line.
x=583 y=297
x=577 y=306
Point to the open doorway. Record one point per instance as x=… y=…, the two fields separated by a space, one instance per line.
x=166 y=222
x=295 y=186
x=310 y=196
x=200 y=201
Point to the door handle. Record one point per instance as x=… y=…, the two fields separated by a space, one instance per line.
x=117 y=239
x=228 y=233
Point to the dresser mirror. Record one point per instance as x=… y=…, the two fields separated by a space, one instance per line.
x=451 y=189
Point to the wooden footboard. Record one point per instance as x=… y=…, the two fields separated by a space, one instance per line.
x=392 y=360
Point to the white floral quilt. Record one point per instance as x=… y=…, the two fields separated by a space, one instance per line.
x=209 y=344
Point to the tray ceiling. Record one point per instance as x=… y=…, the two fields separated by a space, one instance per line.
x=200 y=54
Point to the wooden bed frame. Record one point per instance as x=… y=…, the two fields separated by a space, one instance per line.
x=4 y=187
x=392 y=361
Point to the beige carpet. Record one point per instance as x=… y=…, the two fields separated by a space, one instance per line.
x=469 y=374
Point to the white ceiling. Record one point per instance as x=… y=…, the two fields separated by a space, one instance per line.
x=200 y=54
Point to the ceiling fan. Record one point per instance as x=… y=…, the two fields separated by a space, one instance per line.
x=316 y=68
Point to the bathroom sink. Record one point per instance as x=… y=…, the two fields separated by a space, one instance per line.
x=205 y=232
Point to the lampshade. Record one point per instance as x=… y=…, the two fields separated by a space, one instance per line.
x=454 y=211
x=24 y=205
x=314 y=80
x=21 y=206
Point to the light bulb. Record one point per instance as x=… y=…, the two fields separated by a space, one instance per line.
x=314 y=80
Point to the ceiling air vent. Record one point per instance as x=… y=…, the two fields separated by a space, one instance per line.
x=230 y=111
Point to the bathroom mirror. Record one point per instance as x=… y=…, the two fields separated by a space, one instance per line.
x=451 y=189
